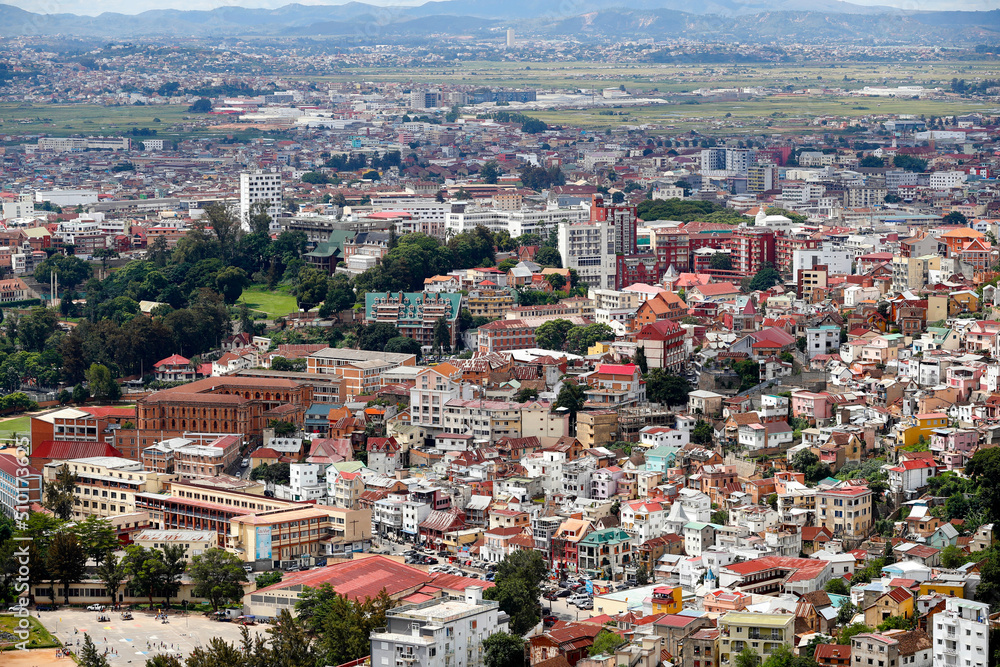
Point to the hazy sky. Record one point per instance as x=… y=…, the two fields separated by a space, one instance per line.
x=95 y=7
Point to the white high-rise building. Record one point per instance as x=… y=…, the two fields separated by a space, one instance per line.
x=962 y=634
x=589 y=247
x=510 y=38
x=258 y=186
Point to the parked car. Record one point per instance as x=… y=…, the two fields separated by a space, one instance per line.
x=551 y=595
x=579 y=600
x=585 y=604
x=428 y=560
x=564 y=593
x=96 y=607
x=549 y=621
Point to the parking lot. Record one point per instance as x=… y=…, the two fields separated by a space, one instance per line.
x=131 y=642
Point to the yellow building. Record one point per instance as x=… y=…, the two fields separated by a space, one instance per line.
x=763 y=633
x=897 y=602
x=923 y=425
x=490 y=303
x=953 y=589
x=667 y=600
x=297 y=532
x=599 y=348
x=845 y=512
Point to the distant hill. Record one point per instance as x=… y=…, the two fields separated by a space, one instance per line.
x=779 y=21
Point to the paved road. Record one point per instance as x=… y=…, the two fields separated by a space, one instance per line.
x=143 y=637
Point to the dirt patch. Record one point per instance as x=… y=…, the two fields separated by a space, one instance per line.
x=35 y=658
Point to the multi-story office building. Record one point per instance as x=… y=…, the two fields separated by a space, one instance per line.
x=298 y=533
x=106 y=486
x=623 y=218
x=443 y=632
x=961 y=634
x=589 y=248
x=260 y=186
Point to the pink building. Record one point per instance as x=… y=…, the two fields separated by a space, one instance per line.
x=965 y=379
x=954 y=446
x=811 y=406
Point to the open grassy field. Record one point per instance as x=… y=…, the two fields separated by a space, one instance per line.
x=772 y=115
x=19 y=425
x=672 y=77
x=39 y=637
x=63 y=120
x=273 y=303
x=177 y=123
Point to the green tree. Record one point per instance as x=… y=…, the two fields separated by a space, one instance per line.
x=837 y=586
x=666 y=388
x=502 y=649
x=525 y=394
x=102 y=385
x=163 y=660
x=551 y=335
x=36 y=329
x=871 y=161
x=231 y=281
x=747 y=658
x=721 y=261
x=955 y=218
x=988 y=590
x=145 y=569
x=953 y=557
x=375 y=336
x=749 y=372
x=311 y=288
x=66 y=561
x=984 y=469
x=548 y=257
x=605 y=643
x=639 y=359
x=218 y=576
x=702 y=433
x=442 y=336
x=719 y=517
x=71 y=270
x=403 y=345
x=97 y=537
x=846 y=612
x=558 y=281
x=642 y=575
x=265 y=579
x=89 y=657
x=111 y=573
x=59 y=494
x=80 y=393
x=571 y=397
x=765 y=279
x=490 y=172
x=518 y=578
x=845 y=635
x=174 y=565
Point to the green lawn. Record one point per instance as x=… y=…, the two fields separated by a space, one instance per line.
x=39 y=637
x=272 y=303
x=19 y=425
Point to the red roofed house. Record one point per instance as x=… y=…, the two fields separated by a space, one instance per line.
x=615 y=385
x=384 y=455
x=174 y=368
x=832 y=655
x=570 y=640
x=354 y=579
x=910 y=476
x=773 y=574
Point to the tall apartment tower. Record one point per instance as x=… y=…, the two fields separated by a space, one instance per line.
x=624 y=219
x=510 y=38
x=961 y=634
x=258 y=186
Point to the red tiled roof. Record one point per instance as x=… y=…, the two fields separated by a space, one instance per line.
x=72 y=449
x=358 y=579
